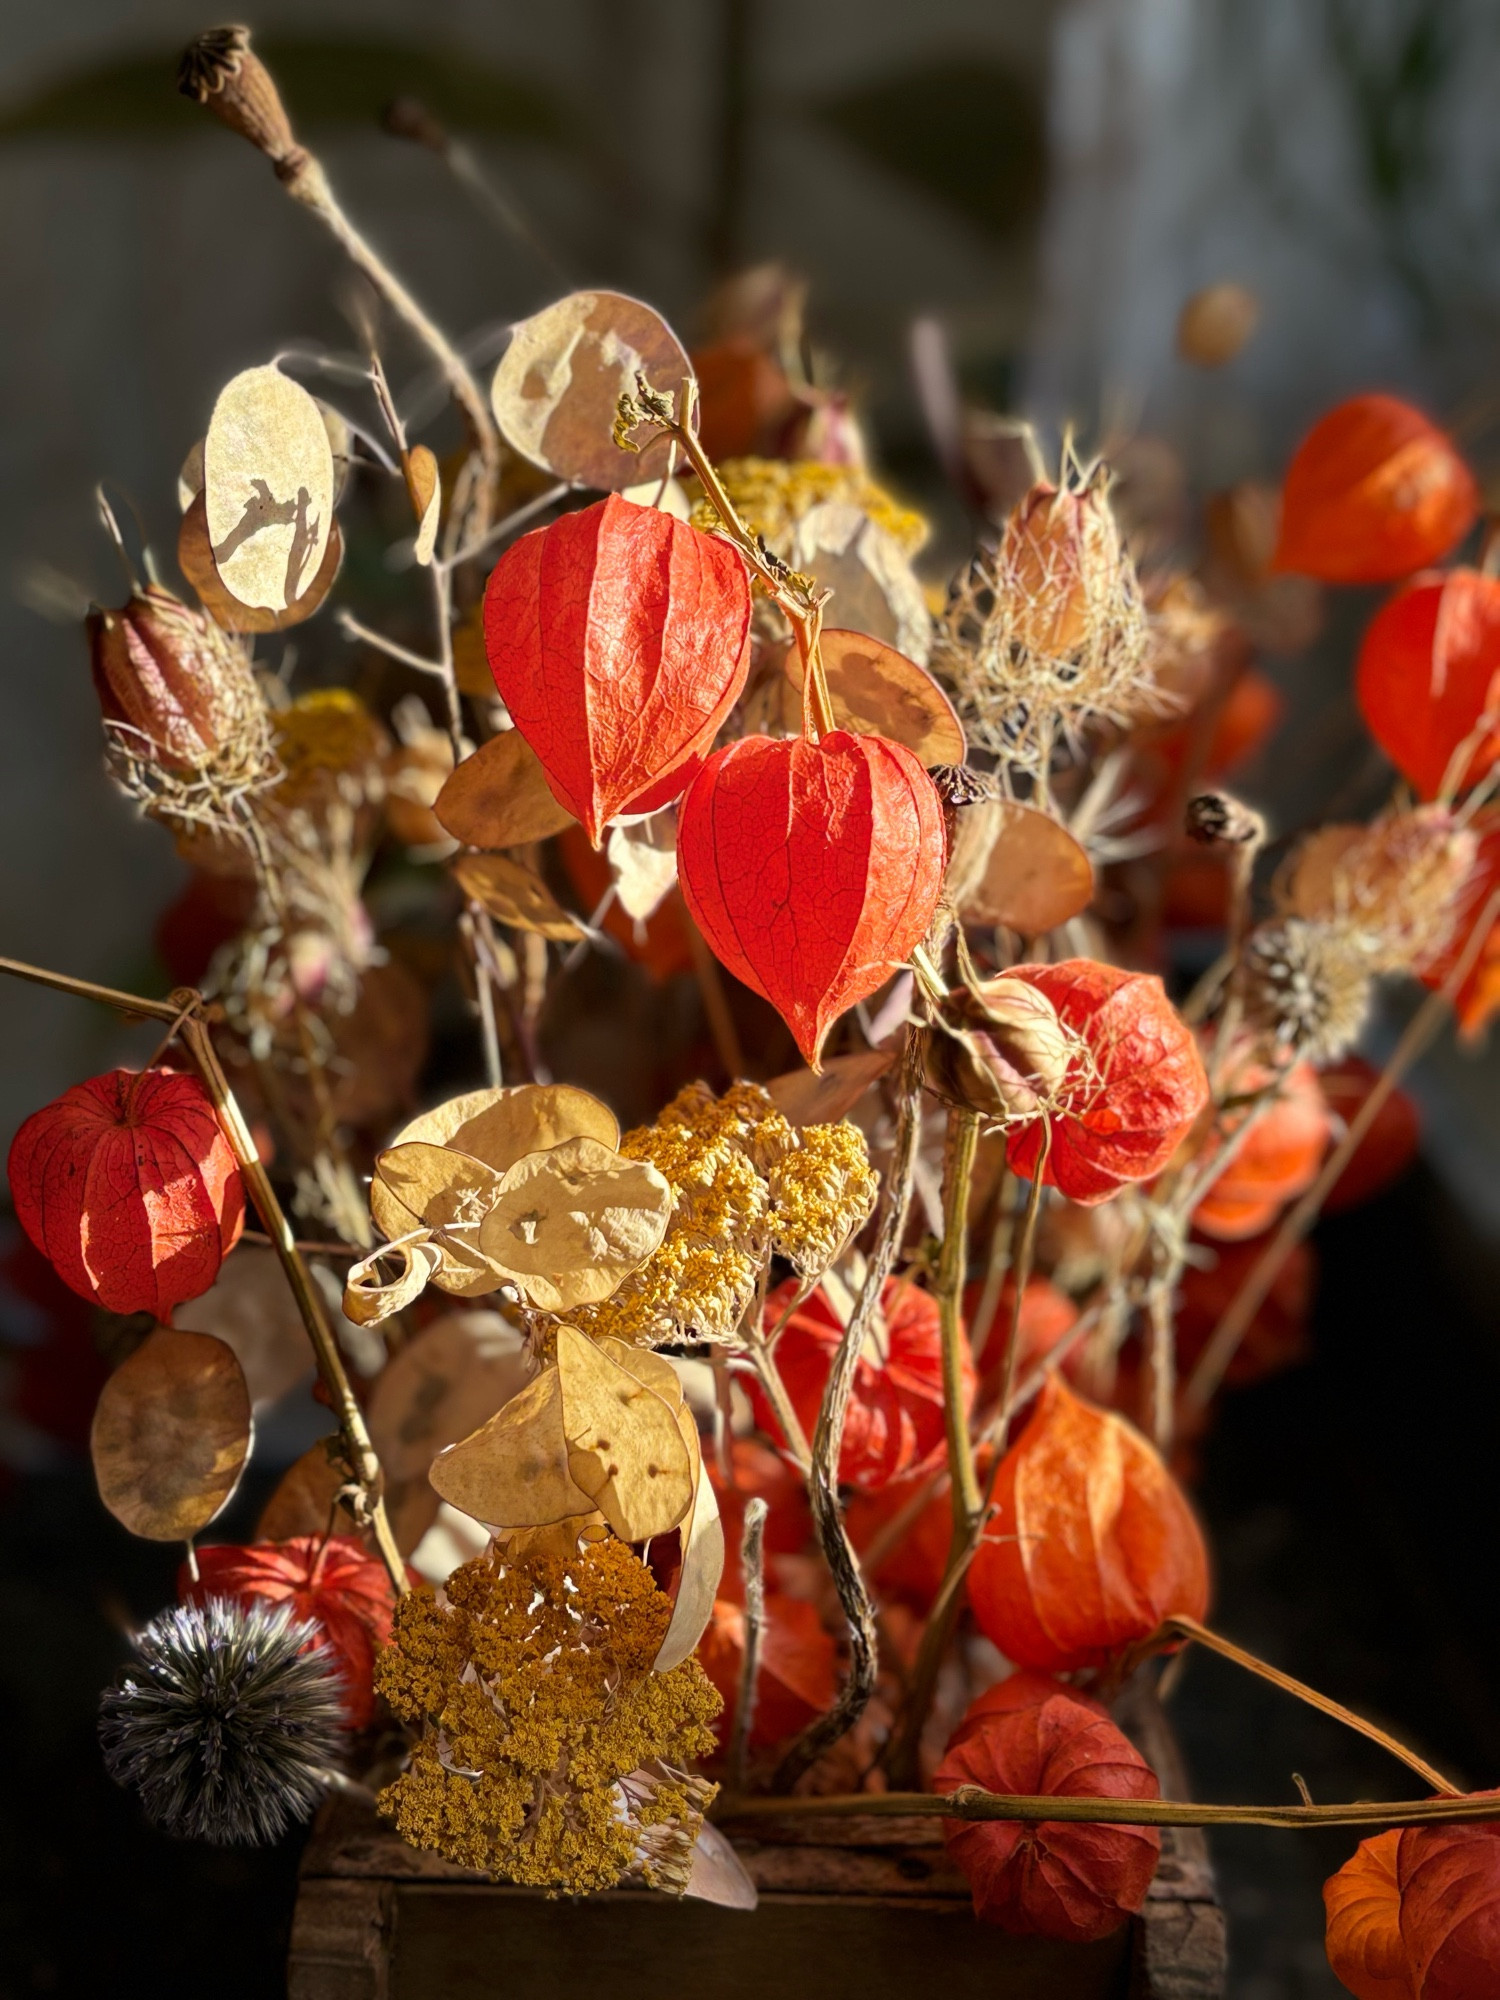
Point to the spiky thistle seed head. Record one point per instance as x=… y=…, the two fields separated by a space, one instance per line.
x=222 y=1723
x=1307 y=986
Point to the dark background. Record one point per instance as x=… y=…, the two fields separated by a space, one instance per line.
x=1050 y=181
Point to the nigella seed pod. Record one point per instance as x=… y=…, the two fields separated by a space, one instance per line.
x=169 y=681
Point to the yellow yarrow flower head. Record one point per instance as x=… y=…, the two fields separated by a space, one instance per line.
x=551 y=1754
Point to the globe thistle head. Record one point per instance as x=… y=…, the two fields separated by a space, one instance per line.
x=224 y=1722
x=1307 y=986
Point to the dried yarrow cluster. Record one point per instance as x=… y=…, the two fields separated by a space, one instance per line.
x=772 y=495
x=746 y=1183
x=551 y=1754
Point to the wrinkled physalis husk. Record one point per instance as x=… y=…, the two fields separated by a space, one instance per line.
x=744 y=1182
x=619 y=639
x=1017 y=866
x=558 y=385
x=424 y=486
x=999 y=1048
x=842 y=548
x=127 y=1186
x=1060 y=1880
x=444 y=1171
x=643 y=861
x=515 y=895
x=499 y=796
x=1426 y=681
x=876 y=691
x=1391 y=888
x=267 y=489
x=370 y=1298
x=812 y=869
x=171 y=1434
x=1373 y=492
x=551 y=1753
x=1050 y=632
x=567 y=1225
x=626 y=1449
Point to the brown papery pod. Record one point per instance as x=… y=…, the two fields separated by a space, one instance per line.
x=171 y=1434
x=168 y=675
x=998 y=1048
x=1017 y=866
x=499 y=797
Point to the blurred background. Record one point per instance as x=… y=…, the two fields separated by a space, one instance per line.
x=1038 y=185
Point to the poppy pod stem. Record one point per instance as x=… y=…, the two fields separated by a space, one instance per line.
x=181 y=1011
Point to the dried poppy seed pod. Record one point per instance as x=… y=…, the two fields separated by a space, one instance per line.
x=169 y=680
x=999 y=1049
x=1214 y=819
x=222 y=72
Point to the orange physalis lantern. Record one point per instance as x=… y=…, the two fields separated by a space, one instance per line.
x=127 y=1186
x=797 y=1679
x=812 y=869
x=1373 y=492
x=1429 y=677
x=1278 y=1158
x=619 y=638
x=1130 y=1093
x=1092 y=1545
x=1060 y=1878
x=1363 y=1939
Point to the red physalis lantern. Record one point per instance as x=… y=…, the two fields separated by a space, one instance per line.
x=1060 y=1878
x=619 y=638
x=1047 y=1315
x=1277 y=1336
x=894 y=1424
x=333 y=1581
x=1479 y=997
x=1429 y=670
x=797 y=1679
x=1092 y=1544
x=1278 y=1158
x=757 y=1472
x=127 y=1186
x=1129 y=1095
x=1373 y=492
x=812 y=869
x=1415 y=1915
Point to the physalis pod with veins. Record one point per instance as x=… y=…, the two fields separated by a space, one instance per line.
x=603 y=1435
x=519 y=1186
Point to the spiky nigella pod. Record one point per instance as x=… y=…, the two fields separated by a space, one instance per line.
x=223 y=1724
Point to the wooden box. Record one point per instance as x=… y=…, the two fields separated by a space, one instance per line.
x=849 y=1910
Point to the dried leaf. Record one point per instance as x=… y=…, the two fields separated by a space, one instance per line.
x=717 y=1874
x=643 y=858
x=515 y=1470
x=812 y=869
x=195 y=560
x=624 y=1446
x=267 y=489
x=499 y=797
x=171 y=1434
x=443 y=1385
x=568 y=1224
x=873 y=584
x=557 y=385
x=807 y=1097
x=443 y=1190
x=251 y=1308
x=369 y=1298
x=879 y=692
x=515 y=895
x=425 y=487
x=1019 y=868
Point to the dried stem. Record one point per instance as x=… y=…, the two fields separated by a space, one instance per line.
x=838 y=1550
x=971 y=1802
x=1189 y=1628
x=1225 y=1339
x=1025 y=1250
x=715 y=1004
x=752 y=1568
x=963 y=1139
x=186 y=1005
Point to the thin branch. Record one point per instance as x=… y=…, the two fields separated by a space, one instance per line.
x=752 y=1568
x=512 y=523
x=963 y=1140
x=351 y=628
x=972 y=1802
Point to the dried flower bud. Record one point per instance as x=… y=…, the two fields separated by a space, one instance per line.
x=999 y=1049
x=170 y=681
x=957 y=785
x=221 y=71
x=1059 y=557
x=1215 y=819
x=1307 y=986
x=408 y=117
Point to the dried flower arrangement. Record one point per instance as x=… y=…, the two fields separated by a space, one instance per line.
x=923 y=1322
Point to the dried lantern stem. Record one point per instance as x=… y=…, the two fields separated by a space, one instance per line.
x=974 y=1802
x=183 y=1011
